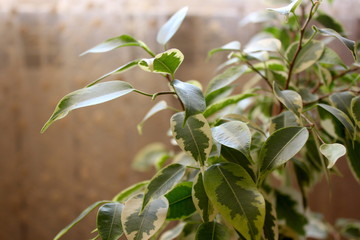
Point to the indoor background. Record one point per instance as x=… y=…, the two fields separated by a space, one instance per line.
x=47 y=180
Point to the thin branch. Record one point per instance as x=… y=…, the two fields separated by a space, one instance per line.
x=258 y=72
x=350 y=70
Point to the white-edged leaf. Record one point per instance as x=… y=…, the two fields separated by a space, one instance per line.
x=193 y=137
x=271 y=228
x=212 y=231
x=291 y=99
x=88 y=96
x=152 y=155
x=355 y=110
x=130 y=191
x=265 y=44
x=284 y=119
x=287 y=9
x=158 y=107
x=332 y=152
x=168 y=30
x=143 y=224
x=342 y=101
x=108 y=221
x=231 y=46
x=173 y=233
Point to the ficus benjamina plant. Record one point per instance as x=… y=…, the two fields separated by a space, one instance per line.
x=239 y=150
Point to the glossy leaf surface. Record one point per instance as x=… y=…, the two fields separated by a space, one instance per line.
x=212 y=231
x=109 y=221
x=332 y=152
x=291 y=99
x=342 y=101
x=128 y=192
x=271 y=230
x=201 y=201
x=355 y=110
x=180 y=201
x=284 y=119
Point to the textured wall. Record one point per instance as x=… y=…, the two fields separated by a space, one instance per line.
x=46 y=180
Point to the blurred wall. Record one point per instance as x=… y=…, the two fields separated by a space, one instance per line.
x=47 y=180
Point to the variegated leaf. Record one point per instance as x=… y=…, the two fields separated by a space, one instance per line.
x=152 y=155
x=284 y=119
x=280 y=147
x=201 y=201
x=265 y=44
x=236 y=197
x=180 y=201
x=194 y=137
x=342 y=101
x=167 y=62
x=291 y=99
x=88 y=96
x=332 y=152
x=355 y=110
x=271 y=229
x=173 y=233
x=287 y=9
x=231 y=46
x=163 y=182
x=329 y=56
x=234 y=134
x=353 y=153
x=191 y=96
x=212 y=231
x=143 y=224
x=130 y=191
x=109 y=221
x=160 y=106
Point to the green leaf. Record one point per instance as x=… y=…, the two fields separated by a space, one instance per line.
x=191 y=96
x=128 y=192
x=329 y=56
x=116 y=42
x=342 y=101
x=219 y=94
x=154 y=154
x=308 y=56
x=236 y=197
x=281 y=146
x=79 y=218
x=212 y=231
x=291 y=99
x=284 y=119
x=173 y=233
x=163 y=182
x=349 y=228
x=355 y=110
x=201 y=201
x=194 y=137
x=168 y=30
x=287 y=9
x=180 y=201
x=350 y=44
x=332 y=152
x=234 y=134
x=109 y=221
x=329 y=22
x=89 y=96
x=353 y=153
x=228 y=76
x=121 y=69
x=271 y=230
x=231 y=46
x=143 y=224
x=341 y=116
x=221 y=104
x=158 y=107
x=166 y=63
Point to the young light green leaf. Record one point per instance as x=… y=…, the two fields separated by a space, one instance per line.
x=141 y=224
x=225 y=78
x=234 y=134
x=231 y=46
x=350 y=44
x=191 y=96
x=154 y=154
x=173 y=233
x=180 y=201
x=130 y=191
x=355 y=110
x=271 y=229
x=109 y=221
x=353 y=153
x=166 y=62
x=212 y=231
x=280 y=147
x=236 y=197
x=332 y=152
x=89 y=96
x=342 y=101
x=117 y=42
x=291 y=99
x=158 y=107
x=284 y=119
x=168 y=30
x=163 y=182
x=201 y=201
x=79 y=218
x=287 y=9
x=194 y=137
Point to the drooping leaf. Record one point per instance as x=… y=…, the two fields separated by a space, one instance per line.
x=355 y=110
x=231 y=46
x=291 y=99
x=194 y=137
x=117 y=42
x=271 y=231
x=143 y=224
x=130 y=191
x=332 y=152
x=166 y=62
x=168 y=30
x=212 y=231
x=160 y=106
x=350 y=44
x=236 y=197
x=234 y=134
x=284 y=119
x=287 y=9
x=201 y=201
x=329 y=22
x=154 y=154
x=342 y=101
x=219 y=94
x=191 y=96
x=280 y=147
x=180 y=201
x=163 y=182
x=225 y=78
x=79 y=218
x=109 y=221
x=89 y=96
x=353 y=153
x=173 y=233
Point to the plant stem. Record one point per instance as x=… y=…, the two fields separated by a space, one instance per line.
x=350 y=70
x=258 y=72
x=153 y=96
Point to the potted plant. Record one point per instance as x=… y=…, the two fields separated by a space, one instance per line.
x=238 y=149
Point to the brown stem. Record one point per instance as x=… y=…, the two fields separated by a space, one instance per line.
x=260 y=74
